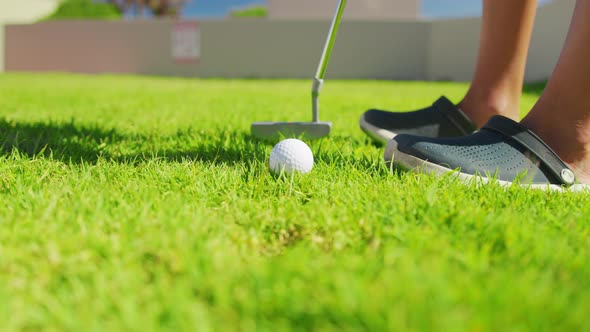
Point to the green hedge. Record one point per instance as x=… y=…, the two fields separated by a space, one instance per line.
x=84 y=9
x=257 y=11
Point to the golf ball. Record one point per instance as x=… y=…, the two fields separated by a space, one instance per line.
x=291 y=156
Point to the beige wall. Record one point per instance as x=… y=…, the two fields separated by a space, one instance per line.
x=355 y=9
x=237 y=48
x=414 y=50
x=1 y=48
x=88 y=46
x=453 y=49
x=293 y=49
x=548 y=38
x=21 y=11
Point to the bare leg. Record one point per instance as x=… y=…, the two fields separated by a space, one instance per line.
x=497 y=84
x=496 y=87
x=561 y=117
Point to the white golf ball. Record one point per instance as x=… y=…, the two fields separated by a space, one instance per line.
x=291 y=156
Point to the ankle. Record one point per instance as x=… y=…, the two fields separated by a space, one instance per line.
x=568 y=138
x=481 y=107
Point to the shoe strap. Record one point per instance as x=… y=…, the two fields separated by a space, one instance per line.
x=455 y=115
x=534 y=144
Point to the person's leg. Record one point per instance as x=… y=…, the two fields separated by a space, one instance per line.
x=497 y=83
x=496 y=86
x=551 y=145
x=561 y=117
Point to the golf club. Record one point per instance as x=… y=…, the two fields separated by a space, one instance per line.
x=315 y=128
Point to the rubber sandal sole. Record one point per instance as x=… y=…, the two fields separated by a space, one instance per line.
x=378 y=134
x=410 y=163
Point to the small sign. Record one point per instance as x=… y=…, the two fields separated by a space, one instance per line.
x=186 y=42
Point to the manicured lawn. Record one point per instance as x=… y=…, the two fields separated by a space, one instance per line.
x=143 y=204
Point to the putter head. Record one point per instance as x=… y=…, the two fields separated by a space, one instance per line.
x=277 y=130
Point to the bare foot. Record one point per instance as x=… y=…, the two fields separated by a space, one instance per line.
x=569 y=138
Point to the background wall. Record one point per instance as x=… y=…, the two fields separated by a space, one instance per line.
x=237 y=48
x=1 y=47
x=408 y=50
x=21 y=11
x=293 y=49
x=548 y=38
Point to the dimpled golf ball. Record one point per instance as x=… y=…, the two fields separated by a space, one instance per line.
x=291 y=156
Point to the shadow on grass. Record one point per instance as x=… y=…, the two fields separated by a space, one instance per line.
x=62 y=141
x=72 y=142
x=76 y=143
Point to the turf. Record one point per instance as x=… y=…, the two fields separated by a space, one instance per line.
x=143 y=204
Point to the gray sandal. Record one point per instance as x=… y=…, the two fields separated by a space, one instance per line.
x=442 y=119
x=503 y=151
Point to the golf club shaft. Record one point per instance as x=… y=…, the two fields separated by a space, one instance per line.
x=318 y=80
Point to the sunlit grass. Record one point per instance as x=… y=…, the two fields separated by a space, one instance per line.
x=143 y=204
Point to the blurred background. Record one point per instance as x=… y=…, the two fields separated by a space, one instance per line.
x=380 y=39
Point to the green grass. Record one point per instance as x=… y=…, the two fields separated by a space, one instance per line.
x=143 y=204
x=84 y=9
